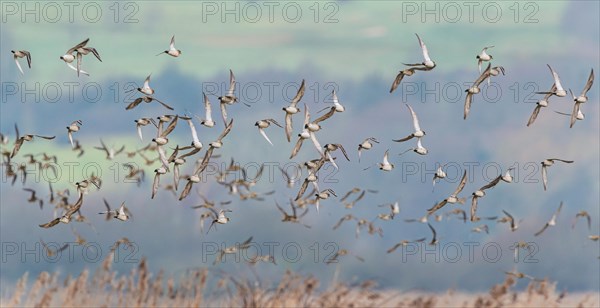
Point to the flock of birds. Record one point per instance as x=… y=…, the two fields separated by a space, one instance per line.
x=156 y=154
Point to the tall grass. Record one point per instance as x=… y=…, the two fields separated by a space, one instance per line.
x=139 y=288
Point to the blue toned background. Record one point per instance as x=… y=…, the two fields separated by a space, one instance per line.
x=356 y=47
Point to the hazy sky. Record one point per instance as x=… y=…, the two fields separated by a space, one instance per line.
x=355 y=48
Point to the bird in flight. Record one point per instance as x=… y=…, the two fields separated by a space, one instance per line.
x=172 y=51
x=262 y=124
x=540 y=104
x=21 y=54
x=427 y=63
x=582 y=98
x=547 y=163
x=483 y=57
x=551 y=222
x=293 y=109
x=418 y=133
x=474 y=89
x=73 y=128
x=558 y=90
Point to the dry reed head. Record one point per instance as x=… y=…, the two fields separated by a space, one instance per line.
x=140 y=288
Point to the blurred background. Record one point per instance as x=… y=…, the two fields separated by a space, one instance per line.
x=354 y=47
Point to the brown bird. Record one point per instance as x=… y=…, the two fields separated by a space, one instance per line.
x=474 y=89
x=146 y=99
x=21 y=54
x=404 y=243
x=513 y=225
x=405 y=72
x=33 y=198
x=51 y=253
x=541 y=103
x=65 y=218
x=434 y=240
x=293 y=218
x=481 y=193
x=340 y=253
x=237 y=248
x=24 y=138
x=583 y=214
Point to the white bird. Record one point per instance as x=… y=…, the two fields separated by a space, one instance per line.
x=68 y=57
x=172 y=51
x=291 y=110
x=156 y=183
x=146 y=89
x=367 y=144
x=120 y=214
x=336 y=103
x=547 y=163
x=582 y=98
x=331 y=147
x=483 y=56
x=142 y=122
x=386 y=165
x=427 y=63
x=395 y=207
x=439 y=174
x=418 y=132
x=552 y=221
x=323 y=195
x=419 y=149
x=161 y=135
x=196 y=144
x=559 y=91
x=262 y=124
x=507 y=177
x=219 y=218
x=208 y=120
x=580 y=115
x=21 y=54
x=219 y=142
x=74 y=127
